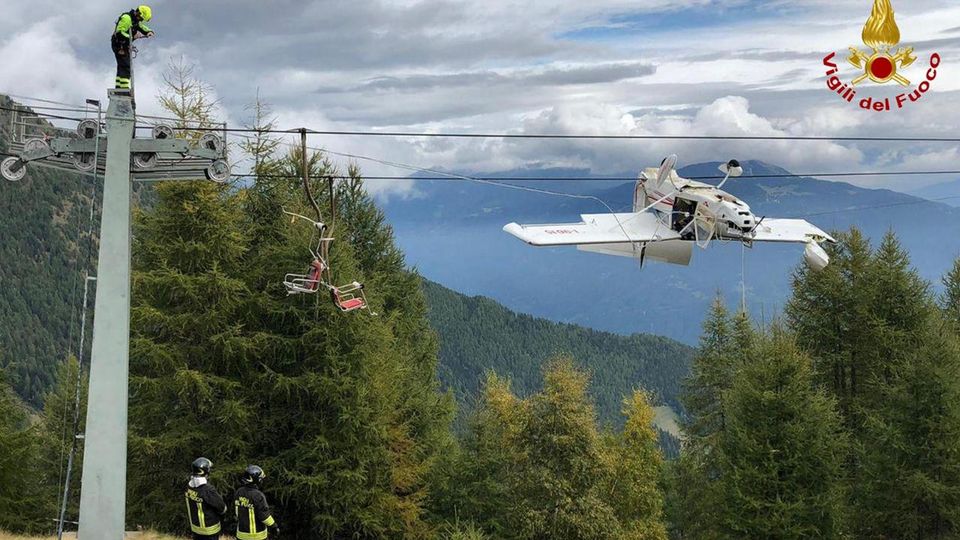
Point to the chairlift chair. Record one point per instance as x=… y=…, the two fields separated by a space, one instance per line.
x=308 y=283
x=349 y=297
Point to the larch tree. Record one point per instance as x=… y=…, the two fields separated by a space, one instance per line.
x=950 y=299
x=22 y=498
x=782 y=449
x=694 y=495
x=828 y=311
x=562 y=463
x=634 y=485
x=57 y=433
x=480 y=486
x=910 y=481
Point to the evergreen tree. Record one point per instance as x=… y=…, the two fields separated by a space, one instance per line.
x=562 y=463
x=634 y=490
x=782 y=449
x=342 y=410
x=695 y=497
x=866 y=322
x=910 y=486
x=481 y=478
x=686 y=513
x=950 y=301
x=711 y=375
x=187 y=347
x=57 y=431
x=899 y=309
x=21 y=496
x=829 y=311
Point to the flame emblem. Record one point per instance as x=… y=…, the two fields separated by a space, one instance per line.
x=881 y=34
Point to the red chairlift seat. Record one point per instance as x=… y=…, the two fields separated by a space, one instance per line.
x=314 y=275
x=308 y=283
x=349 y=297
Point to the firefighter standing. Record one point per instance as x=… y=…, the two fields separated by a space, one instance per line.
x=205 y=506
x=253 y=513
x=130 y=26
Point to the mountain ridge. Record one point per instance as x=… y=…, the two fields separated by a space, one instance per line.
x=452 y=233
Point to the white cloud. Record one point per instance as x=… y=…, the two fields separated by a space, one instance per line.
x=507 y=65
x=39 y=62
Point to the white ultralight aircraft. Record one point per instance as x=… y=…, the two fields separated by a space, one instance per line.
x=672 y=214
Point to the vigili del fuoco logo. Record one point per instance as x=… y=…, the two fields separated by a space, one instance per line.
x=881 y=65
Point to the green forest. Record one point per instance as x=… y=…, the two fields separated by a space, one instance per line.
x=45 y=224
x=478 y=335
x=841 y=419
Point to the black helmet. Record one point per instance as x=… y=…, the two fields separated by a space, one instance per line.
x=201 y=466
x=252 y=475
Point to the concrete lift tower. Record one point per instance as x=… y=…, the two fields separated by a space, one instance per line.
x=161 y=157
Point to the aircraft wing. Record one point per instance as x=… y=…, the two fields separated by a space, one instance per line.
x=596 y=229
x=789 y=230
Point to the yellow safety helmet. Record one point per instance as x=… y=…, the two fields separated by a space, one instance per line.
x=145 y=13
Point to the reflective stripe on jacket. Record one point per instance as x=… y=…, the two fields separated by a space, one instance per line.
x=130 y=22
x=205 y=508
x=253 y=513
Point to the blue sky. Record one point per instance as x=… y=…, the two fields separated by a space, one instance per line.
x=633 y=25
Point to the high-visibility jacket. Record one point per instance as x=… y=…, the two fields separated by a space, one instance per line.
x=206 y=509
x=253 y=513
x=130 y=22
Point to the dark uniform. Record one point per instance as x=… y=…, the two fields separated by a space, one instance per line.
x=253 y=513
x=206 y=509
x=128 y=27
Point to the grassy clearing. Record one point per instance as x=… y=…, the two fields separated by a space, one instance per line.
x=72 y=536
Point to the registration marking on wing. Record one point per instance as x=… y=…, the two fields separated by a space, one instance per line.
x=595 y=229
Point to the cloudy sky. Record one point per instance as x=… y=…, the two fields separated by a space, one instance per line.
x=679 y=67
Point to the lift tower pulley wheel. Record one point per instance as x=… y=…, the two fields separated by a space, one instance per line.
x=13 y=169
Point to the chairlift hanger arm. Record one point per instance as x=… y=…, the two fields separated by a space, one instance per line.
x=306 y=175
x=318 y=224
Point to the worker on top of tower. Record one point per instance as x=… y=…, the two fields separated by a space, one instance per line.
x=130 y=26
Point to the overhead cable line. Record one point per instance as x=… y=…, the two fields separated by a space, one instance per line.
x=574 y=136
x=611 y=178
x=45 y=116
x=601 y=201
x=48 y=101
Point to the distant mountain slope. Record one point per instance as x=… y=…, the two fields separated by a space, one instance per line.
x=452 y=232
x=946 y=192
x=478 y=335
x=42 y=258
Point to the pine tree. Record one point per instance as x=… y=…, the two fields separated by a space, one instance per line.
x=694 y=491
x=782 y=449
x=482 y=476
x=634 y=490
x=22 y=506
x=828 y=312
x=562 y=463
x=950 y=301
x=910 y=486
x=57 y=432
